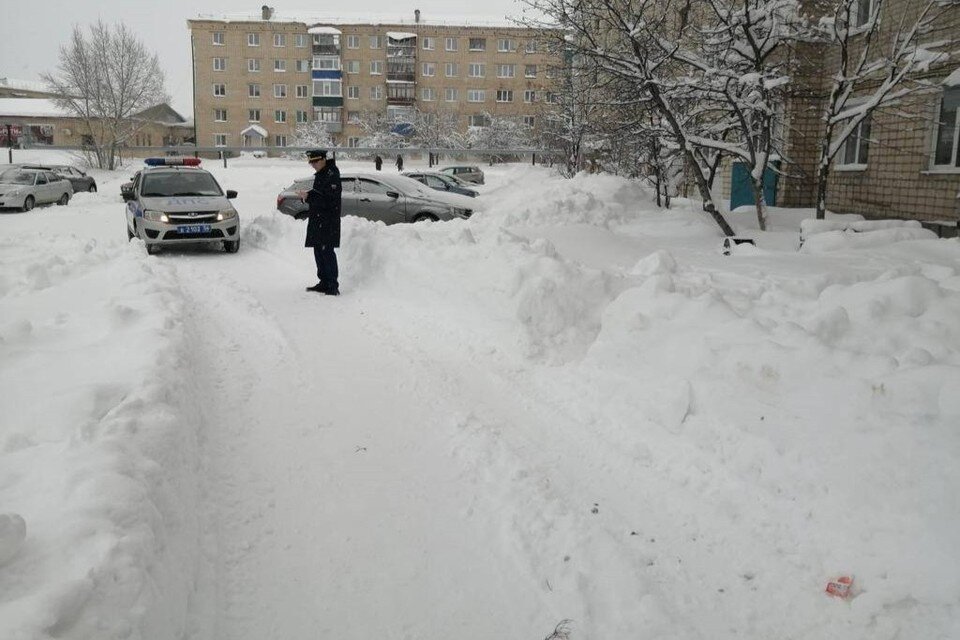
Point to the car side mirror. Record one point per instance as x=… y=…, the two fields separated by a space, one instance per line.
x=231 y=194
x=126 y=197
x=393 y=194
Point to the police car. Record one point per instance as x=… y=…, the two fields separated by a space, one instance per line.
x=174 y=201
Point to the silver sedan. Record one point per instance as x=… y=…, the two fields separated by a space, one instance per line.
x=24 y=188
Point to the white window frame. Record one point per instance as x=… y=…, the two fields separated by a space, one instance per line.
x=353 y=92
x=253 y=39
x=428 y=94
x=253 y=90
x=326 y=63
x=476 y=95
x=303 y=91
x=451 y=44
x=530 y=96
x=376 y=67
x=451 y=94
x=863 y=11
x=504 y=95
x=353 y=117
x=280 y=140
x=530 y=46
x=451 y=69
x=280 y=66
x=280 y=116
x=479 y=67
x=428 y=43
x=485 y=122
x=353 y=42
x=219 y=90
x=328 y=88
x=303 y=66
x=219 y=139
x=353 y=142
x=279 y=91
x=482 y=44
x=219 y=115
x=529 y=71
x=253 y=115
x=530 y=121
x=352 y=66
x=300 y=40
x=253 y=65
x=506 y=70
x=219 y=64
x=428 y=69
x=855 y=141
x=376 y=92
x=952 y=165
x=376 y=42
x=505 y=45
x=279 y=40
x=219 y=39
x=302 y=116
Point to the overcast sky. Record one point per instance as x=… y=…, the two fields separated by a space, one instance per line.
x=33 y=30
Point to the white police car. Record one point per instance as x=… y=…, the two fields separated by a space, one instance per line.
x=174 y=201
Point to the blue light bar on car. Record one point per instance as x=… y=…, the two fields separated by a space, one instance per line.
x=171 y=162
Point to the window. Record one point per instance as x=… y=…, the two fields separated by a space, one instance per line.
x=219 y=64
x=505 y=45
x=353 y=142
x=504 y=95
x=861 y=12
x=854 y=153
x=529 y=120
x=280 y=140
x=478 y=120
x=253 y=91
x=327 y=88
x=280 y=116
x=253 y=39
x=476 y=95
x=353 y=93
x=506 y=70
x=429 y=69
x=353 y=66
x=219 y=115
x=478 y=44
x=219 y=90
x=476 y=70
x=376 y=93
x=530 y=95
x=428 y=44
x=428 y=94
x=326 y=114
x=376 y=67
x=946 y=153
x=326 y=63
x=280 y=66
x=279 y=40
x=279 y=91
x=451 y=95
x=253 y=115
x=451 y=69
x=219 y=139
x=253 y=65
x=450 y=44
x=353 y=117
x=303 y=65
x=300 y=40
x=531 y=46
x=218 y=39
x=353 y=42
x=529 y=71
x=376 y=42
x=303 y=91
x=302 y=117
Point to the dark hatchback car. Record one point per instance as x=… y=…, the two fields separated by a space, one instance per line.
x=80 y=181
x=441 y=182
x=126 y=189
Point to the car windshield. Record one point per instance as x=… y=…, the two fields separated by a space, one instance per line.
x=169 y=184
x=17 y=177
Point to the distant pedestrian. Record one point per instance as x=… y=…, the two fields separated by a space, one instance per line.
x=399 y=162
x=378 y=162
x=323 y=225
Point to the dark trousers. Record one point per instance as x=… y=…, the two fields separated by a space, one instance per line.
x=327 y=271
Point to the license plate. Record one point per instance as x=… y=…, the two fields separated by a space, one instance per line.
x=193 y=228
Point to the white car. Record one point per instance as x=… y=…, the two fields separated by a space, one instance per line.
x=24 y=188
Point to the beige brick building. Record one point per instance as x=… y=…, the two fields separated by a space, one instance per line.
x=256 y=77
x=905 y=163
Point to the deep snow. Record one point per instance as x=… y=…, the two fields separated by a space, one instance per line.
x=571 y=406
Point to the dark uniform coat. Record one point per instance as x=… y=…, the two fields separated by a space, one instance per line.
x=323 y=225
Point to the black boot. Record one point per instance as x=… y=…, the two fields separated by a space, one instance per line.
x=318 y=288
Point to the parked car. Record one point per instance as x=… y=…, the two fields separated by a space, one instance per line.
x=126 y=189
x=382 y=198
x=174 y=201
x=441 y=182
x=23 y=188
x=466 y=173
x=80 y=180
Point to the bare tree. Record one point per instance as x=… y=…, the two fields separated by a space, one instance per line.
x=105 y=79
x=872 y=72
x=313 y=135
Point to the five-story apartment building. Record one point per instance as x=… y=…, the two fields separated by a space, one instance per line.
x=257 y=77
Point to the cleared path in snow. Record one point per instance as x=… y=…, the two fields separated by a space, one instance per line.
x=334 y=506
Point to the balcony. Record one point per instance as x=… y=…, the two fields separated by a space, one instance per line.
x=401 y=94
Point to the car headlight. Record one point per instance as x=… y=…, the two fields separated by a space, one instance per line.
x=155 y=216
x=14 y=192
x=226 y=214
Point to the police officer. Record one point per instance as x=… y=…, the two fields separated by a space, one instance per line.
x=323 y=224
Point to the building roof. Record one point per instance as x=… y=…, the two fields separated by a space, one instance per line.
x=31 y=108
x=340 y=18
x=25 y=85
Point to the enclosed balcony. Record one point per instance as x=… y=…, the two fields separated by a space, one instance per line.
x=326 y=41
x=401 y=93
x=401 y=46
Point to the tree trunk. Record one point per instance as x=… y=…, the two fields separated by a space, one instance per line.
x=761 y=204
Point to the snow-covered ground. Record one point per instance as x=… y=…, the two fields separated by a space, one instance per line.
x=570 y=407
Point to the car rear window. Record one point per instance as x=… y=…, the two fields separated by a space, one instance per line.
x=169 y=184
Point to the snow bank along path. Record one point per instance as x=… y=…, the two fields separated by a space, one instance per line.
x=569 y=406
